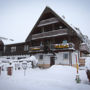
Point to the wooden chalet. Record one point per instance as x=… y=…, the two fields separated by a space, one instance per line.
x=52 y=40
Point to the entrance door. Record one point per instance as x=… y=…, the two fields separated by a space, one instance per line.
x=52 y=61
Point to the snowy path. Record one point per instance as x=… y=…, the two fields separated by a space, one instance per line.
x=55 y=78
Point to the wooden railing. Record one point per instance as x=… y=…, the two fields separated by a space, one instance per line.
x=50 y=34
x=48 y=21
x=53 y=47
x=62 y=46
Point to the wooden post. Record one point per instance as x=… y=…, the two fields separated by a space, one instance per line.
x=32 y=65
x=70 y=58
x=9 y=71
x=78 y=80
x=77 y=64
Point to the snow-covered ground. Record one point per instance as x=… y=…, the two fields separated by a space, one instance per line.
x=55 y=78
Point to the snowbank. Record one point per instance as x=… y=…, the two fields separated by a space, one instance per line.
x=29 y=62
x=55 y=78
x=32 y=59
x=87 y=63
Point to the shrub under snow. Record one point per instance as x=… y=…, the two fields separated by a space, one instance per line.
x=33 y=59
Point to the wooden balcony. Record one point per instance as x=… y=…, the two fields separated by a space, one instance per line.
x=53 y=33
x=48 y=21
x=84 y=48
x=53 y=47
x=36 y=49
x=67 y=46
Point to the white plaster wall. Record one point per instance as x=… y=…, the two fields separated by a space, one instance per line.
x=45 y=60
x=60 y=59
x=74 y=57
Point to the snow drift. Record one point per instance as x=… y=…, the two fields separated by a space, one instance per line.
x=55 y=78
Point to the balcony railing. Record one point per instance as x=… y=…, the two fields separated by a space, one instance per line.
x=36 y=48
x=48 y=21
x=53 y=33
x=69 y=46
x=53 y=47
x=84 y=48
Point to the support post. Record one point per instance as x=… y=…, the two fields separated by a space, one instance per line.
x=77 y=75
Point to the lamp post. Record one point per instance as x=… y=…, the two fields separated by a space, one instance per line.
x=24 y=66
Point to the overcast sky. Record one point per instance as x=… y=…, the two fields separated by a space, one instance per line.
x=17 y=17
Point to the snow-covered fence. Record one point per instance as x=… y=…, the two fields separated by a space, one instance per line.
x=87 y=65
x=10 y=65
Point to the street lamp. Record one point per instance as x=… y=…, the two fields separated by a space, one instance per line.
x=24 y=66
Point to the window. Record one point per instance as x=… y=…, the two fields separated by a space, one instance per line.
x=41 y=57
x=26 y=47
x=4 y=48
x=65 y=56
x=13 y=49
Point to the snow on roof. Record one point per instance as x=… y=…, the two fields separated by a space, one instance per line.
x=77 y=30
x=6 y=42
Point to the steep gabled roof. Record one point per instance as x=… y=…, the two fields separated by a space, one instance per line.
x=48 y=9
